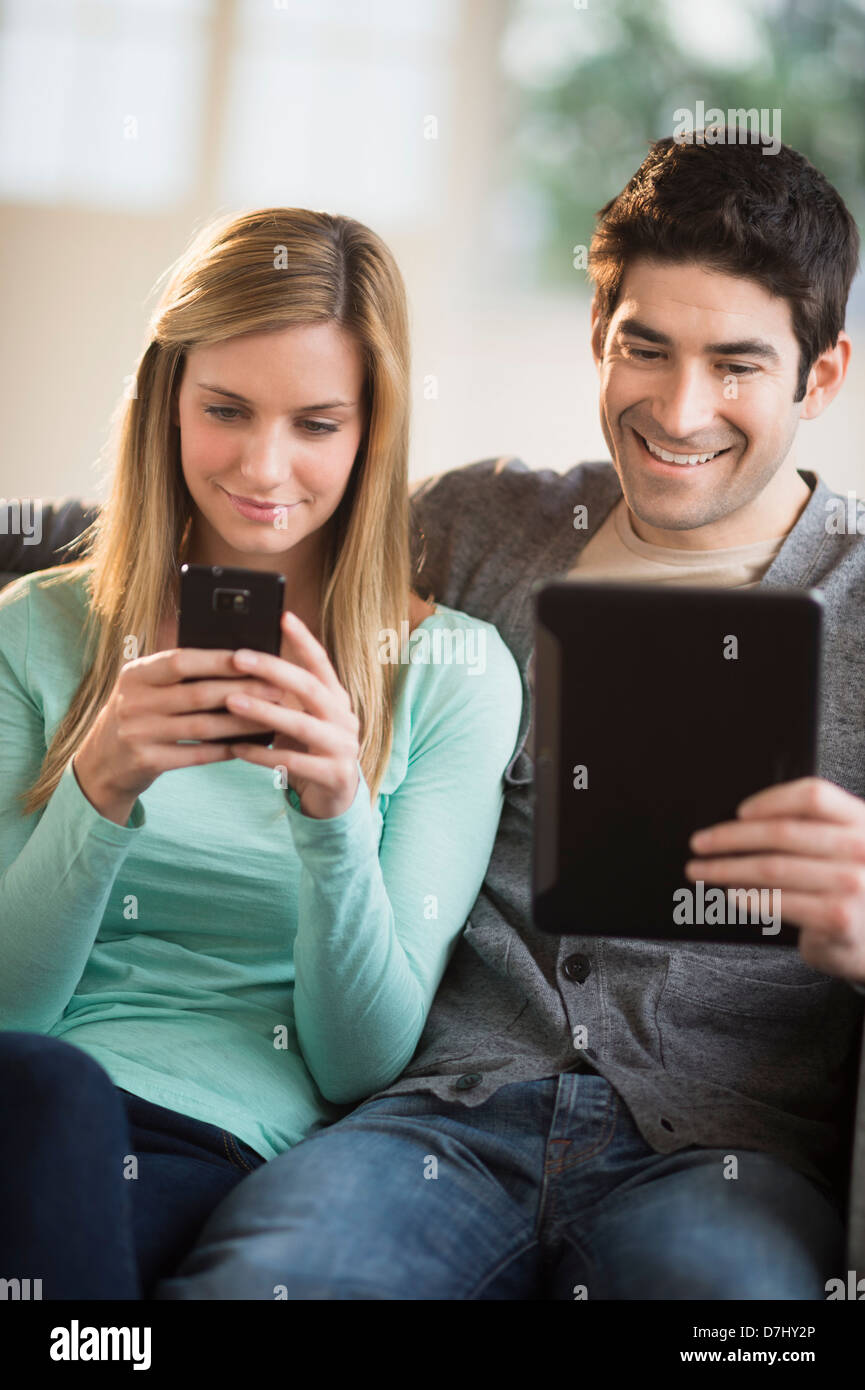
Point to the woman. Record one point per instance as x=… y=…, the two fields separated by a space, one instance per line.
x=208 y=948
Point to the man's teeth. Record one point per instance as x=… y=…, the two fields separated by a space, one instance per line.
x=678 y=458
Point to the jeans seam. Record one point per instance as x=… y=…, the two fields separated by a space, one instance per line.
x=227 y=1138
x=549 y=1191
x=604 y=1141
x=247 y=1166
x=502 y=1264
x=581 y=1250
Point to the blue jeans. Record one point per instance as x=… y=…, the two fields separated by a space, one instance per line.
x=547 y=1190
x=73 y=1211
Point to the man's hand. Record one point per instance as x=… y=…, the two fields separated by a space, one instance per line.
x=806 y=838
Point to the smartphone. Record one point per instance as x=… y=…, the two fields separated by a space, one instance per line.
x=223 y=608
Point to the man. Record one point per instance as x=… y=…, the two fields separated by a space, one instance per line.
x=698 y=1145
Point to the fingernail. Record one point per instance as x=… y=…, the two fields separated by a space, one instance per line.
x=245 y=657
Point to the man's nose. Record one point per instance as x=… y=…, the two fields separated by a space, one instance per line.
x=685 y=404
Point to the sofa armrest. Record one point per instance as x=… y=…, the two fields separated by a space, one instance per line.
x=856 y=1203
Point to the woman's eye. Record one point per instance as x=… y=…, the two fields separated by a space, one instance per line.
x=319 y=427
x=227 y=414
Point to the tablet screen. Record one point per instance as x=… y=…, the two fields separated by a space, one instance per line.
x=658 y=710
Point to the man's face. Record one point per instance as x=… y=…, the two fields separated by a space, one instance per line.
x=696 y=363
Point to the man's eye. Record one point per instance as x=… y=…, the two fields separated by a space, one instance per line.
x=645 y=354
x=739 y=368
x=218 y=412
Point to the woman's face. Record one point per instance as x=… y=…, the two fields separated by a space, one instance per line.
x=273 y=419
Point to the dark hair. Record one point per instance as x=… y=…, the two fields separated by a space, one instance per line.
x=773 y=218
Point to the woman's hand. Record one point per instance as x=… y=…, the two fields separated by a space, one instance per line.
x=316 y=728
x=157 y=701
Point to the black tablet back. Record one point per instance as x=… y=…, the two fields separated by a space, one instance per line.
x=657 y=710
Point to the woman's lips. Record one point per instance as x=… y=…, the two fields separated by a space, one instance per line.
x=255 y=511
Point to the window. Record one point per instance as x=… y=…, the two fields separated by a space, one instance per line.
x=145 y=105
x=337 y=103
x=99 y=101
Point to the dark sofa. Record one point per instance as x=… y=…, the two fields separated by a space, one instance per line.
x=64 y=520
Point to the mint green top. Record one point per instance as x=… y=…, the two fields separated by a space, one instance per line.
x=222 y=954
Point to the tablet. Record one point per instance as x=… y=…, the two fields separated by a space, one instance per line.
x=657 y=710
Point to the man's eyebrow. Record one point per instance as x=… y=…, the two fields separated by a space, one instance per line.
x=742 y=347
x=746 y=347
x=642 y=330
x=236 y=396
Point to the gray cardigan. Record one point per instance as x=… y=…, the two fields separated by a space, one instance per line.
x=720 y=1046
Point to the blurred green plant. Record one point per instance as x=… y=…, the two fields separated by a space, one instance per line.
x=577 y=139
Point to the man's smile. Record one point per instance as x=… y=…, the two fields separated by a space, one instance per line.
x=659 y=455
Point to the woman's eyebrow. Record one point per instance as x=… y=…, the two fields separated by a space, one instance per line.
x=236 y=396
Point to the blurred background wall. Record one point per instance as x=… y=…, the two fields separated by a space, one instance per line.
x=478 y=137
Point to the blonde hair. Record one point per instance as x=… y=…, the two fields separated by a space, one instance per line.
x=260 y=271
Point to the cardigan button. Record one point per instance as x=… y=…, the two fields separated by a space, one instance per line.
x=577 y=968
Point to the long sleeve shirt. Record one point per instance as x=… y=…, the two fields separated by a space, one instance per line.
x=223 y=954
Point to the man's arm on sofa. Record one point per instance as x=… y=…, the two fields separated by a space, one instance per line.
x=455 y=518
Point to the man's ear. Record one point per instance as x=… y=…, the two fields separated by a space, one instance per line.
x=597 y=338
x=826 y=378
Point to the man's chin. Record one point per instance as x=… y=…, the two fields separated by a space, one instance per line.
x=652 y=502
